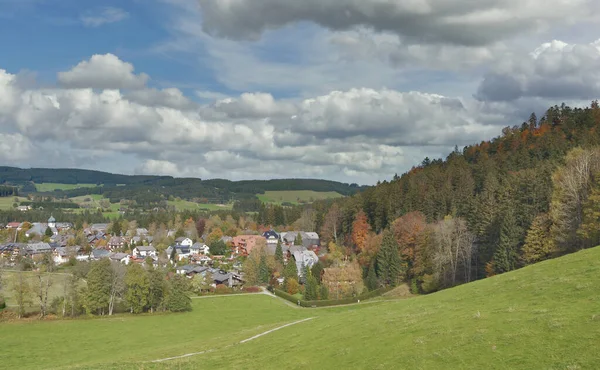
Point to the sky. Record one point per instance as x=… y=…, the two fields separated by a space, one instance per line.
x=346 y=90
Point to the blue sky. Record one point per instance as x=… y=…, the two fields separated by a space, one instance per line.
x=339 y=89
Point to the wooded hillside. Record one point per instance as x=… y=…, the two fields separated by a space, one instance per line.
x=530 y=194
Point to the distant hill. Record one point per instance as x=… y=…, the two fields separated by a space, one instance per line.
x=149 y=189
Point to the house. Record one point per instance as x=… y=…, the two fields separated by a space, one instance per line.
x=226 y=278
x=200 y=259
x=181 y=252
x=38 y=248
x=304 y=257
x=11 y=251
x=199 y=248
x=100 y=253
x=38 y=228
x=243 y=244
x=191 y=270
x=271 y=236
x=23 y=208
x=63 y=254
x=145 y=251
x=116 y=242
x=13 y=225
x=186 y=242
x=119 y=257
x=309 y=239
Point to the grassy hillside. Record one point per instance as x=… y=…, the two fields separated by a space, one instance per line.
x=7 y=202
x=545 y=316
x=296 y=196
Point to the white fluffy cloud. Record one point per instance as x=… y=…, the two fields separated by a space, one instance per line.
x=103 y=72
x=555 y=70
x=460 y=22
x=100 y=16
x=353 y=135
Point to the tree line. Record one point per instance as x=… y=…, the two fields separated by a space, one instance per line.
x=102 y=287
x=527 y=195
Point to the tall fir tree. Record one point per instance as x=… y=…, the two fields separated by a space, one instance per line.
x=371 y=280
x=506 y=254
x=538 y=245
x=263 y=270
x=389 y=264
x=279 y=252
x=291 y=270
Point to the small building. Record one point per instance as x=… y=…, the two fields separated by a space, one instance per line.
x=181 y=252
x=145 y=251
x=116 y=242
x=120 y=257
x=199 y=248
x=186 y=242
x=271 y=236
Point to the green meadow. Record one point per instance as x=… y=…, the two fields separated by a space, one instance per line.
x=545 y=316
x=296 y=196
x=50 y=186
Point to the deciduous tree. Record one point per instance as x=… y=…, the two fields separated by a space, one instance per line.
x=137 y=288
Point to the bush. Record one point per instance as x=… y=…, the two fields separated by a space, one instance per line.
x=252 y=289
x=2 y=303
x=222 y=289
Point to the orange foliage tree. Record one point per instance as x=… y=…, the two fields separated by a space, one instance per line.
x=411 y=233
x=360 y=231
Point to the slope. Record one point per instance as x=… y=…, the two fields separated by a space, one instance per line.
x=543 y=316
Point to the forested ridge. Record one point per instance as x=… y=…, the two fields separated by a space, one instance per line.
x=153 y=189
x=529 y=194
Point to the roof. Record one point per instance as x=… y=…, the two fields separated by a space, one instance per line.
x=118 y=256
x=270 y=234
x=180 y=239
x=39 y=247
x=100 y=253
x=146 y=248
x=65 y=251
x=51 y=219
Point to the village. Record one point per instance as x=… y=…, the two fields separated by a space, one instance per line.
x=184 y=255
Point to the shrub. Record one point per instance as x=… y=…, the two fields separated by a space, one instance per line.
x=2 y=303
x=292 y=286
x=222 y=289
x=252 y=289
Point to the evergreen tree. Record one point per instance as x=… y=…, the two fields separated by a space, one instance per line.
x=323 y=292
x=371 y=281
x=156 y=289
x=263 y=270
x=291 y=270
x=279 y=252
x=116 y=228
x=304 y=270
x=317 y=271
x=310 y=287
x=49 y=232
x=506 y=254
x=98 y=287
x=137 y=286
x=298 y=239
x=389 y=264
x=178 y=299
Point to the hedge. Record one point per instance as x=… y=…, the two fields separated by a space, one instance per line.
x=330 y=302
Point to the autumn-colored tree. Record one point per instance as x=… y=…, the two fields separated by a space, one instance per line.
x=370 y=249
x=411 y=236
x=539 y=245
x=360 y=230
x=214 y=236
x=589 y=230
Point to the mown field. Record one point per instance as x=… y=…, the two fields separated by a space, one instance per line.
x=545 y=316
x=50 y=186
x=296 y=196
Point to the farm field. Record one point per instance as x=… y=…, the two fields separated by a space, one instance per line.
x=6 y=203
x=542 y=316
x=296 y=196
x=50 y=186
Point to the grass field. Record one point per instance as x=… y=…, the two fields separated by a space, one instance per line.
x=545 y=316
x=55 y=290
x=296 y=196
x=6 y=203
x=50 y=186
